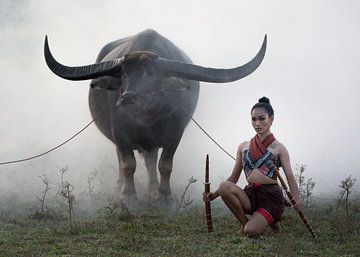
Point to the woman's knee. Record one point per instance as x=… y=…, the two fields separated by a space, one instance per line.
x=251 y=231
x=255 y=226
x=225 y=187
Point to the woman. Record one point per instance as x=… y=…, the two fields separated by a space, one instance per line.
x=262 y=198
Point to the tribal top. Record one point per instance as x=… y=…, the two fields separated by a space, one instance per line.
x=265 y=164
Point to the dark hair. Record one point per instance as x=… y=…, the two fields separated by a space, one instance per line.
x=264 y=102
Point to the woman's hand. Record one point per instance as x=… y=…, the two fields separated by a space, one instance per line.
x=208 y=197
x=298 y=206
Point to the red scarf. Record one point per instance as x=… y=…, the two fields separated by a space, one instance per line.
x=258 y=148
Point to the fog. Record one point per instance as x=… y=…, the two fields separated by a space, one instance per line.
x=310 y=73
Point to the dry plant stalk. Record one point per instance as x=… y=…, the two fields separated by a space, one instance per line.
x=347 y=185
x=66 y=190
x=46 y=181
x=90 y=186
x=188 y=202
x=62 y=171
x=305 y=187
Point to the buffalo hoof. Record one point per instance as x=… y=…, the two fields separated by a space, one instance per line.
x=129 y=202
x=153 y=195
x=153 y=192
x=165 y=202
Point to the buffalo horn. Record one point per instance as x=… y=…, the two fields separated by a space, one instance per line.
x=81 y=72
x=171 y=67
x=195 y=72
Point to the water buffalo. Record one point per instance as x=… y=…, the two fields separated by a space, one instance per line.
x=146 y=90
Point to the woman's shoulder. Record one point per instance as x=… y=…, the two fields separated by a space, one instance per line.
x=278 y=146
x=243 y=146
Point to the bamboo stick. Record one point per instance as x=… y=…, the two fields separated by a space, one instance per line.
x=207 y=203
x=293 y=202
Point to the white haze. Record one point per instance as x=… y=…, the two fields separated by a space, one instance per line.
x=310 y=73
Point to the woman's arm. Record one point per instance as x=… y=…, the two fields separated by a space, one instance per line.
x=285 y=162
x=236 y=172
x=235 y=175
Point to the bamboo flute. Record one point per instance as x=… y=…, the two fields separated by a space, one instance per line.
x=207 y=190
x=293 y=202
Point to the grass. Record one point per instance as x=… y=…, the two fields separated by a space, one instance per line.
x=183 y=234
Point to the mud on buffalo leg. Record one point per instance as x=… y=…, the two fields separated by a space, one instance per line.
x=150 y=163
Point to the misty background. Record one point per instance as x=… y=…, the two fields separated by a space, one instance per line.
x=310 y=73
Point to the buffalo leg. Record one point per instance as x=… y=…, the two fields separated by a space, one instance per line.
x=120 y=182
x=127 y=169
x=150 y=163
x=165 y=168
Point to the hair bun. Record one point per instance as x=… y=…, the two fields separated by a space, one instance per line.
x=265 y=100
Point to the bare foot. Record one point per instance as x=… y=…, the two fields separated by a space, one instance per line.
x=240 y=232
x=276 y=227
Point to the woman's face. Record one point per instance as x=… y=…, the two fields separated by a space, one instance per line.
x=261 y=121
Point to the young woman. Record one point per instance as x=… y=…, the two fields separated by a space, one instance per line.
x=262 y=198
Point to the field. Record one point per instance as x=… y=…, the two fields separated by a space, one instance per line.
x=115 y=232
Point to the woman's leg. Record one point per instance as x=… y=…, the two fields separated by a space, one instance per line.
x=236 y=200
x=256 y=225
x=270 y=206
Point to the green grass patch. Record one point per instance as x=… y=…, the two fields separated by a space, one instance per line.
x=183 y=234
